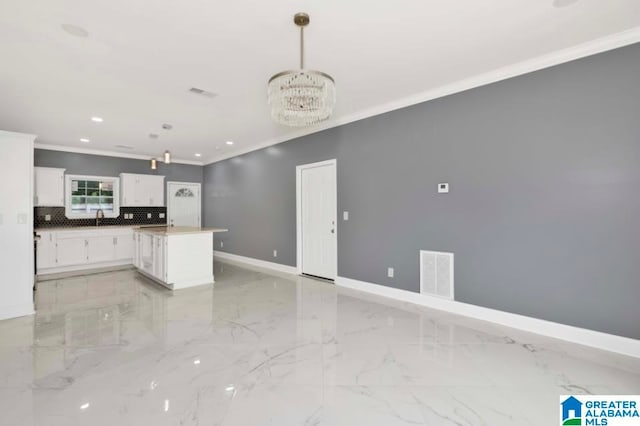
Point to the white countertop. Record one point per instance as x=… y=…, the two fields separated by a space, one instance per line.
x=174 y=230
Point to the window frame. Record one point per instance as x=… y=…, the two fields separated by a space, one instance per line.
x=68 y=207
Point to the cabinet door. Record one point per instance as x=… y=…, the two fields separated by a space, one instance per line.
x=48 y=187
x=71 y=251
x=158 y=257
x=46 y=250
x=101 y=249
x=156 y=191
x=124 y=247
x=127 y=190
x=136 y=249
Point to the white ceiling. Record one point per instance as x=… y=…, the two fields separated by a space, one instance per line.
x=141 y=57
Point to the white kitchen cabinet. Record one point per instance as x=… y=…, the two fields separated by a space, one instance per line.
x=71 y=250
x=84 y=248
x=176 y=257
x=138 y=190
x=158 y=257
x=48 y=187
x=101 y=248
x=124 y=246
x=46 y=250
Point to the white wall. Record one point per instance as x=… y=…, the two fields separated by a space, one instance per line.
x=16 y=224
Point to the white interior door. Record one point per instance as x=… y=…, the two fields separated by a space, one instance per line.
x=317 y=239
x=183 y=203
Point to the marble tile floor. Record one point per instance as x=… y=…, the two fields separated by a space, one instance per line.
x=260 y=348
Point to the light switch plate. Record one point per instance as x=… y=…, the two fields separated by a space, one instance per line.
x=443 y=188
x=390 y=272
x=345 y=215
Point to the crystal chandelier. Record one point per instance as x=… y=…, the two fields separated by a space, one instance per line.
x=303 y=97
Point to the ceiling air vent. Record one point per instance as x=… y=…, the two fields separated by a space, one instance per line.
x=202 y=92
x=124 y=147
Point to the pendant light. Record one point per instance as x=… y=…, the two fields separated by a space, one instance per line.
x=302 y=97
x=154 y=164
x=167 y=157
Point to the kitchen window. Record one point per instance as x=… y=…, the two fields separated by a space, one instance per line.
x=85 y=195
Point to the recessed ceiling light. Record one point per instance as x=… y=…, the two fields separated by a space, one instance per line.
x=229 y=142
x=197 y=154
x=75 y=30
x=563 y=3
x=97 y=119
x=84 y=140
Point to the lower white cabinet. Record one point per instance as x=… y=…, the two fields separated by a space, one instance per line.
x=46 y=250
x=71 y=250
x=83 y=248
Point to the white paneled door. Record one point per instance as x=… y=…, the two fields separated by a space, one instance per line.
x=183 y=203
x=317 y=230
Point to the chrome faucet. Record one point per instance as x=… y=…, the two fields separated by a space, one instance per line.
x=99 y=215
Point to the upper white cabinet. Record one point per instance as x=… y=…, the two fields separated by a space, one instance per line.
x=48 y=187
x=141 y=190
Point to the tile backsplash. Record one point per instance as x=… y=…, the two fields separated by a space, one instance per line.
x=58 y=219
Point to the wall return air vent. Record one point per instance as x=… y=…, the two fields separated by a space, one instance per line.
x=436 y=274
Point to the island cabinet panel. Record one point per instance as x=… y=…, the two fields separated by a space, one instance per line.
x=176 y=257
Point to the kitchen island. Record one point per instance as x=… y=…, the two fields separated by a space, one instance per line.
x=176 y=257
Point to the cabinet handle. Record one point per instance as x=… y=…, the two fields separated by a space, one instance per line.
x=115 y=241
x=86 y=243
x=36 y=199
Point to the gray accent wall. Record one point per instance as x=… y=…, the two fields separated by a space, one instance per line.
x=99 y=165
x=543 y=211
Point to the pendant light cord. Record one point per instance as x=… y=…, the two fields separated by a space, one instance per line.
x=301 y=48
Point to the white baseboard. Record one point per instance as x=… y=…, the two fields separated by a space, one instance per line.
x=595 y=339
x=256 y=262
x=15 y=311
x=582 y=336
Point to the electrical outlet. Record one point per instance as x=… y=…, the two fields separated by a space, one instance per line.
x=443 y=188
x=345 y=215
x=390 y=272
x=221 y=243
x=275 y=253
x=47 y=218
x=161 y=215
x=22 y=218
x=148 y=215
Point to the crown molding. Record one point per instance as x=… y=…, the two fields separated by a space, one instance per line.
x=39 y=145
x=558 y=57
